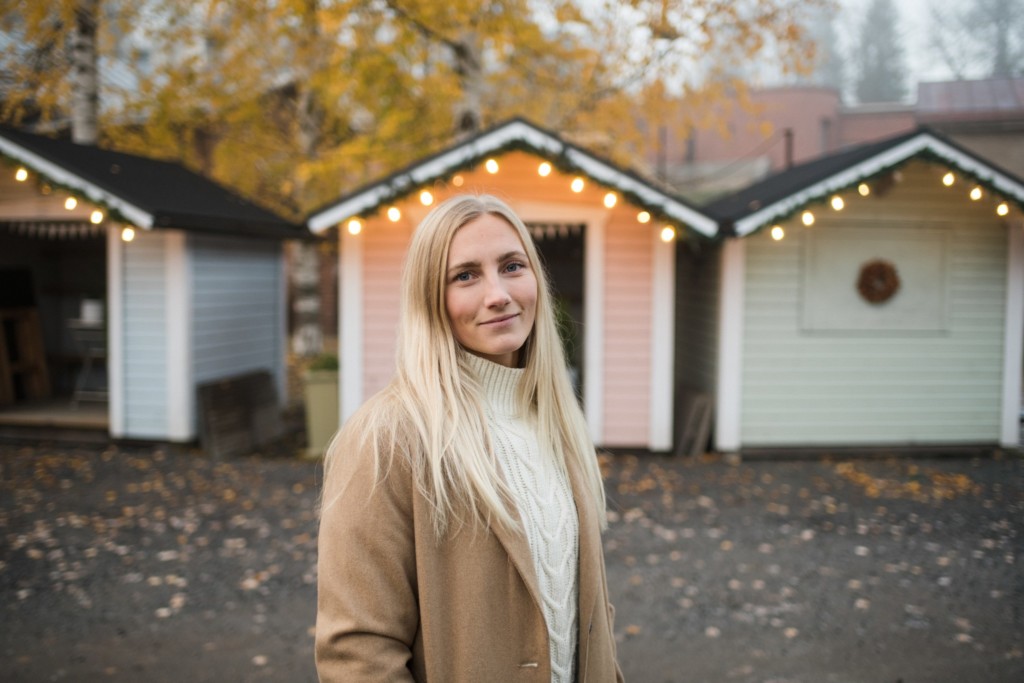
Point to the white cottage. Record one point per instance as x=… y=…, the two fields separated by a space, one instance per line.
x=609 y=239
x=132 y=281
x=871 y=298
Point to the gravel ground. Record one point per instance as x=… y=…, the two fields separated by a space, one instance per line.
x=157 y=564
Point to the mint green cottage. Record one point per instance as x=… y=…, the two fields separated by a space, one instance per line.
x=871 y=298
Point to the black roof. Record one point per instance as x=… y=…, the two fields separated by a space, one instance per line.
x=784 y=184
x=174 y=196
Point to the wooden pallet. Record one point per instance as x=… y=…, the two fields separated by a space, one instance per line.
x=23 y=371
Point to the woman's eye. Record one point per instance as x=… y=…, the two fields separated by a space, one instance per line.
x=513 y=267
x=462 y=277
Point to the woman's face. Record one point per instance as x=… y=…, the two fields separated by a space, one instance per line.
x=490 y=290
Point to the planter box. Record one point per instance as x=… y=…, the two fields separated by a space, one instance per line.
x=321 y=393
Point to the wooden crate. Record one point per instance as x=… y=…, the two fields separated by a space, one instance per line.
x=23 y=371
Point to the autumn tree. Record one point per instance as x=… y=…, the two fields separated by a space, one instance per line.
x=979 y=37
x=880 y=60
x=295 y=101
x=49 y=67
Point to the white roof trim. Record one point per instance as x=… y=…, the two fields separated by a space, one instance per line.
x=59 y=174
x=495 y=140
x=868 y=167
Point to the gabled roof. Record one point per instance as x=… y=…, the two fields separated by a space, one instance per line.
x=514 y=134
x=145 y=192
x=787 y=191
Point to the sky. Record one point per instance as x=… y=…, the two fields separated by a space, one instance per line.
x=915 y=23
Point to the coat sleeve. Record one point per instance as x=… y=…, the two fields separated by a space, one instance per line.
x=367 y=612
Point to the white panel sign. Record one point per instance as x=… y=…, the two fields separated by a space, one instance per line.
x=834 y=259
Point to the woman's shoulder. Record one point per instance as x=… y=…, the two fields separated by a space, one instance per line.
x=380 y=428
x=371 y=449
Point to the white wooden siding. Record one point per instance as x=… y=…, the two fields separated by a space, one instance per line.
x=236 y=321
x=144 y=336
x=882 y=386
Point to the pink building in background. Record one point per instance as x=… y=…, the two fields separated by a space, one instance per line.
x=789 y=125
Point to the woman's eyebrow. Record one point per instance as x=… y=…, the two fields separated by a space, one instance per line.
x=463 y=265
x=515 y=253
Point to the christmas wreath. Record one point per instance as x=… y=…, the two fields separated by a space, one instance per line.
x=878 y=281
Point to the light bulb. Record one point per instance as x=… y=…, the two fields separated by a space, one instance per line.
x=70 y=203
x=457 y=181
x=491 y=165
x=777 y=232
x=544 y=170
x=394 y=214
x=426 y=199
x=668 y=233
x=643 y=217
x=96 y=217
x=128 y=234
x=863 y=189
x=355 y=226
x=837 y=203
x=21 y=175
x=1003 y=209
x=948 y=179
x=610 y=199
x=577 y=184
x=976 y=193
x=807 y=217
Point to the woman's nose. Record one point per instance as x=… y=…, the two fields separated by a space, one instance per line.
x=497 y=293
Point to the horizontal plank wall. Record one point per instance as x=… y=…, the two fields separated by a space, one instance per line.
x=627 y=327
x=383 y=254
x=144 y=336
x=235 y=303
x=940 y=383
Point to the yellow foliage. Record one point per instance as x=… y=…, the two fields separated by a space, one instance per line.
x=294 y=102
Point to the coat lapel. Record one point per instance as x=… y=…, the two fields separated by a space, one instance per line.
x=518 y=549
x=589 y=548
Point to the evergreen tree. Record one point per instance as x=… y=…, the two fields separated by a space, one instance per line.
x=881 y=63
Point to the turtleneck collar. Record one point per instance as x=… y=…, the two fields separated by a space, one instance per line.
x=498 y=384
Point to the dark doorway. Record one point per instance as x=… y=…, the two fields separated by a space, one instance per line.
x=561 y=247
x=52 y=291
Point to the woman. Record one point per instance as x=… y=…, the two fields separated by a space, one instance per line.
x=462 y=505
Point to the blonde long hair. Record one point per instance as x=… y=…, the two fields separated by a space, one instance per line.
x=432 y=410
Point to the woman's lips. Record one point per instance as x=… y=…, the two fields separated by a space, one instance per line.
x=502 y=319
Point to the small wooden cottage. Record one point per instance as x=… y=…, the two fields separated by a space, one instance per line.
x=125 y=284
x=872 y=297
x=608 y=239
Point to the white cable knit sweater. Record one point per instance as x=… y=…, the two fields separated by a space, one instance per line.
x=544 y=499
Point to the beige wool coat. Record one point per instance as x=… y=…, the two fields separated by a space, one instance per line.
x=395 y=604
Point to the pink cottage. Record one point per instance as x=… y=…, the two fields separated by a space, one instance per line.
x=609 y=240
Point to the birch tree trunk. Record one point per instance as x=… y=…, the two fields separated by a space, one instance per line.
x=471 y=79
x=85 y=74
x=306 y=262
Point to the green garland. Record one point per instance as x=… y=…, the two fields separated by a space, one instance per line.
x=400 y=186
x=926 y=155
x=111 y=214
